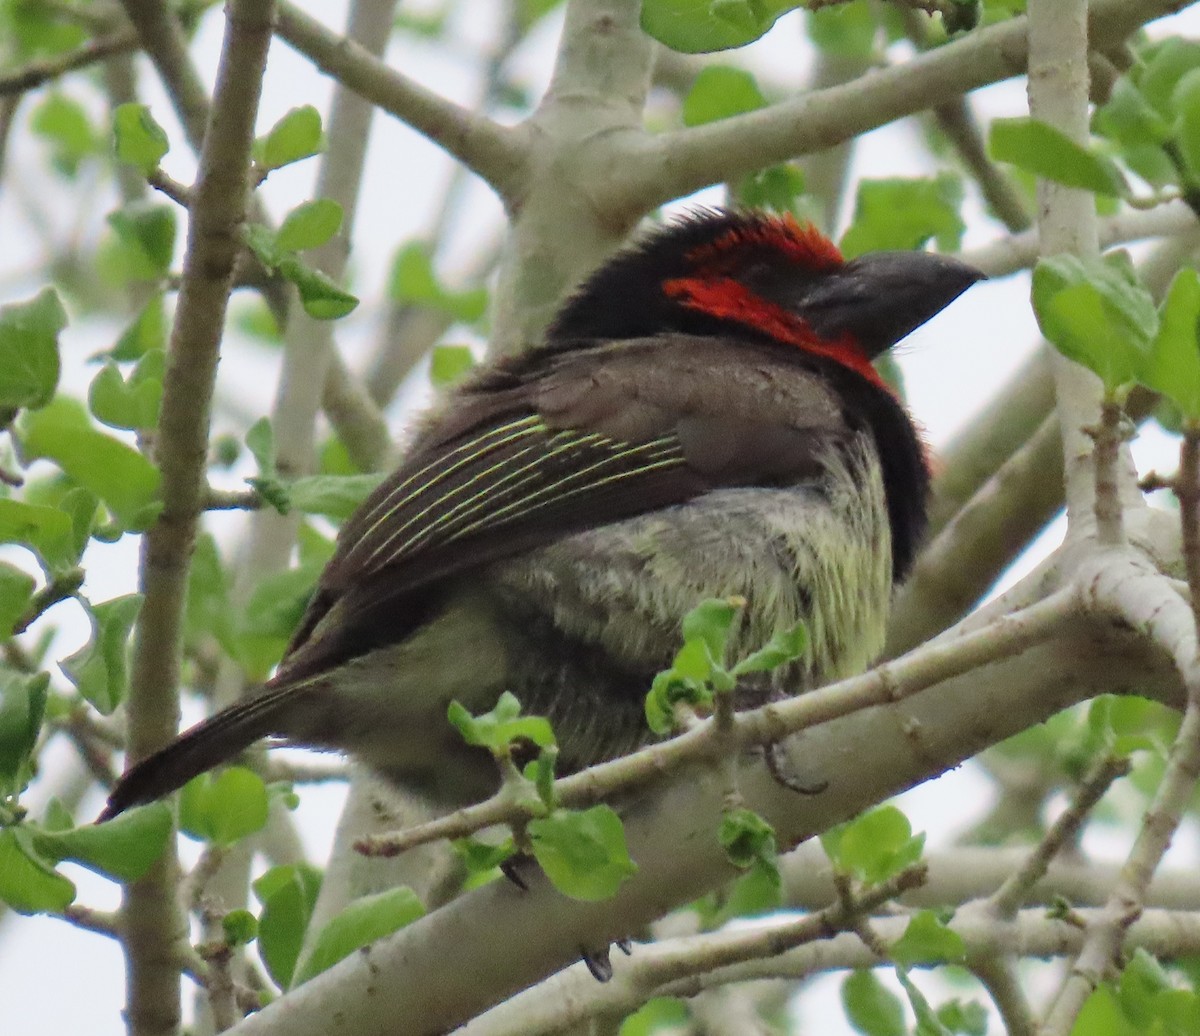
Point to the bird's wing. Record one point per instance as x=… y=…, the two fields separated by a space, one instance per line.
x=566 y=443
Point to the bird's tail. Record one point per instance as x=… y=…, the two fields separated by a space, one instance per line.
x=216 y=739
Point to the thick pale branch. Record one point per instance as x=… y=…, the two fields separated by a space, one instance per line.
x=865 y=757
x=678 y=163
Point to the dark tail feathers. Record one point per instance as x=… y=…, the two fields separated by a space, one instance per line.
x=217 y=739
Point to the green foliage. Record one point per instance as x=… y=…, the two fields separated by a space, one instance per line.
x=874 y=846
x=871 y=1008
x=63 y=123
x=718 y=92
x=137 y=139
x=16 y=591
x=776 y=188
x=702 y=26
x=28 y=883
x=1096 y=313
x=450 y=364
x=846 y=30
x=288 y=895
x=582 y=852
x=1144 y=1000
x=146 y=333
x=22 y=707
x=98 y=669
x=294 y=137
x=132 y=403
x=309 y=225
x=320 y=295
x=224 y=807
x=699 y=669
x=361 y=922
x=898 y=214
x=499 y=729
x=660 y=1014
x=47 y=531
x=29 y=357
x=146 y=240
x=123 y=848
x=414 y=281
x=927 y=940
x=1172 y=365
x=1044 y=151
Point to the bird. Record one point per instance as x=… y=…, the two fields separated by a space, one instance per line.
x=701 y=419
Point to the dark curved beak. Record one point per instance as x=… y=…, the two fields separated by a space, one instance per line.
x=882 y=296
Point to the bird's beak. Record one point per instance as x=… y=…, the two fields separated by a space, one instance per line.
x=882 y=296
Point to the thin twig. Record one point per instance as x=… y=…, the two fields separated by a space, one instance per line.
x=36 y=73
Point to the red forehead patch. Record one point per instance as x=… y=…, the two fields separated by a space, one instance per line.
x=800 y=243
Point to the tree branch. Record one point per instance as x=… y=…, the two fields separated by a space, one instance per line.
x=150 y=912
x=678 y=163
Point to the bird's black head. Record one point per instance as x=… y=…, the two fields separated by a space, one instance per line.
x=767 y=277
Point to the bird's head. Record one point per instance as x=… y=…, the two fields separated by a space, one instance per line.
x=767 y=276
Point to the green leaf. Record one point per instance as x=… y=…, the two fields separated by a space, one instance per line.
x=845 y=30
x=898 y=214
x=1101 y=1015
x=1044 y=151
x=334 y=496
x=784 y=647
x=1096 y=313
x=294 y=137
x=1171 y=365
x=720 y=91
x=361 y=922
x=147 y=333
x=1185 y=99
x=28 y=883
x=260 y=441
x=450 y=364
x=927 y=940
x=309 y=225
x=16 y=591
x=702 y=26
x=970 y=1019
x=138 y=139
x=147 y=231
x=712 y=622
x=123 y=848
x=1169 y=62
x=777 y=187
x=261 y=241
x=288 y=895
x=320 y=295
x=240 y=927
x=65 y=124
x=415 y=282
x=658 y=1016
x=928 y=1023
x=22 y=708
x=1142 y=980
x=271 y=614
x=46 y=531
x=874 y=846
x=98 y=669
x=872 y=1008
x=582 y=852
x=29 y=359
x=1128 y=118
x=671 y=687
x=132 y=404
x=746 y=838
x=480 y=856
x=498 y=729
x=225 y=807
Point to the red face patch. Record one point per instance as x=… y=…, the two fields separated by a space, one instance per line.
x=727 y=299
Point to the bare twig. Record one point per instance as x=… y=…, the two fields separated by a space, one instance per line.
x=36 y=73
